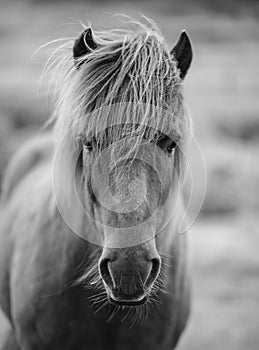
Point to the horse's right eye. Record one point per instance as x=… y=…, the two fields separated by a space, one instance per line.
x=171 y=147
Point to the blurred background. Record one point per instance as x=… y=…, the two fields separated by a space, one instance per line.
x=222 y=91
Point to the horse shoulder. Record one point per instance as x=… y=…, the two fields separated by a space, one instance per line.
x=42 y=257
x=19 y=184
x=25 y=159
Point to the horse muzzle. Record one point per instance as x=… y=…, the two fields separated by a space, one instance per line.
x=128 y=275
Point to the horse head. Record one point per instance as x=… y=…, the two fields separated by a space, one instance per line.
x=131 y=144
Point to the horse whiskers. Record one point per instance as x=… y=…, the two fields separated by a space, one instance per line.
x=137 y=314
x=154 y=299
x=140 y=313
x=98 y=302
x=98 y=295
x=127 y=314
x=168 y=265
x=93 y=281
x=101 y=300
x=159 y=283
x=91 y=277
x=166 y=255
x=135 y=318
x=103 y=305
x=114 y=312
x=166 y=258
x=143 y=313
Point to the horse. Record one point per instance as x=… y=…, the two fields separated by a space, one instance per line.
x=90 y=251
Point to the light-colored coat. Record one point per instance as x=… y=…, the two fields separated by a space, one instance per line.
x=43 y=263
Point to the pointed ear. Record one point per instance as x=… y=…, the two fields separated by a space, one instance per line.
x=83 y=45
x=182 y=53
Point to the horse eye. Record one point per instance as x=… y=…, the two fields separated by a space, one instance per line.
x=172 y=146
x=88 y=146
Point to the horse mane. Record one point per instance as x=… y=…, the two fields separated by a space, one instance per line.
x=130 y=80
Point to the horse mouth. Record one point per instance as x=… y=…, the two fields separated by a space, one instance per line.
x=130 y=303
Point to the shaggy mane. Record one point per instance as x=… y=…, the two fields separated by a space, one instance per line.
x=130 y=80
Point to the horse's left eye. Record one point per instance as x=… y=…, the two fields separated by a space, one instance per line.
x=171 y=147
x=88 y=146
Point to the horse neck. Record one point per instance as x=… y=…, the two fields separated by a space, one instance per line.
x=74 y=255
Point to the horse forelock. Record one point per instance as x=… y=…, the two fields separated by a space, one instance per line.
x=130 y=79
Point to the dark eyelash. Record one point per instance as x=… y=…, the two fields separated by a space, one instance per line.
x=87 y=144
x=171 y=147
x=166 y=143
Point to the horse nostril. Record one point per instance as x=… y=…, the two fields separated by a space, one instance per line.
x=155 y=269
x=105 y=273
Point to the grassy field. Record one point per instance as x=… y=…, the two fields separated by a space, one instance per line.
x=222 y=91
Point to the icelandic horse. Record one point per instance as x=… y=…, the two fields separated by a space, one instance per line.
x=90 y=252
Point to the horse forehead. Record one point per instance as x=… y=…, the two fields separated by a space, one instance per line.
x=121 y=157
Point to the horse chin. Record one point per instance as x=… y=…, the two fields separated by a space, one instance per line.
x=128 y=302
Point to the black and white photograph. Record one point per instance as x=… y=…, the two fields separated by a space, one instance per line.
x=129 y=172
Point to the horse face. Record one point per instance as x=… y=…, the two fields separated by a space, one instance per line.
x=129 y=198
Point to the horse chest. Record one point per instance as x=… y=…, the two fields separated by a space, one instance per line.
x=68 y=322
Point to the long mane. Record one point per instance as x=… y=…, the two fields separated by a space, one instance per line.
x=130 y=80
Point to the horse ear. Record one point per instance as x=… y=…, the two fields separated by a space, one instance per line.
x=182 y=53
x=83 y=45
